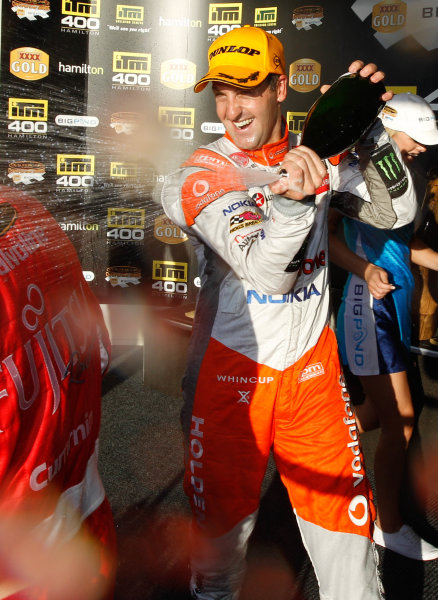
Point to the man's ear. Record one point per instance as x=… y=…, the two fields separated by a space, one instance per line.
x=282 y=88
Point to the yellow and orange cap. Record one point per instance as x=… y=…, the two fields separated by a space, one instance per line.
x=243 y=57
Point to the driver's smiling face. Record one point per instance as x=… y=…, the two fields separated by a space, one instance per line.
x=251 y=116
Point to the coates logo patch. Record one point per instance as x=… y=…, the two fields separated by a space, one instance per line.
x=8 y=215
x=29 y=63
x=304 y=75
x=178 y=73
x=311 y=371
x=240 y=158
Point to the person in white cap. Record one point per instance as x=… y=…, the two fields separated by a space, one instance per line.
x=374 y=321
x=413 y=125
x=263 y=369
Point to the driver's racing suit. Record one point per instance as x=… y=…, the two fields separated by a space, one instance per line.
x=263 y=374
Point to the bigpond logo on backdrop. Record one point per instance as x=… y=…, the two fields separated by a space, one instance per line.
x=76 y=121
x=29 y=63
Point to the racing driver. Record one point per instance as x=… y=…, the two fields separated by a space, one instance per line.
x=263 y=371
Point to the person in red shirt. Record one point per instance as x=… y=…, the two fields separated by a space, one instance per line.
x=57 y=536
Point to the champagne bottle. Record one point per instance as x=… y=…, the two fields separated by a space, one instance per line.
x=340 y=117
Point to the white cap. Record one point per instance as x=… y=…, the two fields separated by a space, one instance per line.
x=412 y=115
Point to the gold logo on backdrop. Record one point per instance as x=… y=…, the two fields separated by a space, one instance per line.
x=29 y=63
x=304 y=75
x=133 y=218
x=178 y=73
x=265 y=17
x=225 y=14
x=295 y=121
x=167 y=232
x=389 y=16
x=75 y=164
x=173 y=116
x=81 y=8
x=166 y=270
x=131 y=14
x=28 y=109
x=131 y=62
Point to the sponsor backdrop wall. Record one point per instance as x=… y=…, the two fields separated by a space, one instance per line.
x=98 y=105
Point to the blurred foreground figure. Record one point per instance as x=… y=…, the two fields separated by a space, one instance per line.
x=57 y=538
